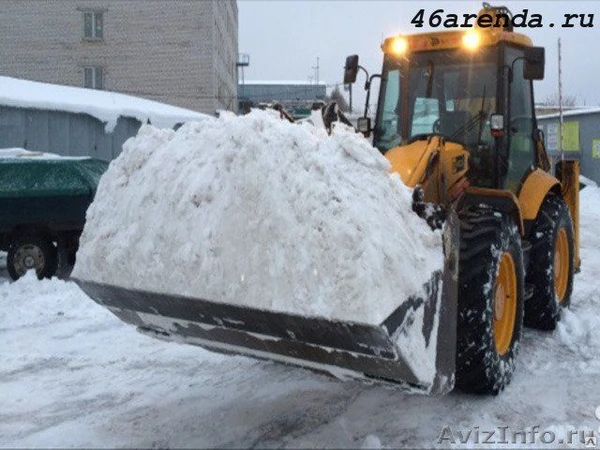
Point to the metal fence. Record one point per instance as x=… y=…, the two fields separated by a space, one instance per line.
x=289 y=95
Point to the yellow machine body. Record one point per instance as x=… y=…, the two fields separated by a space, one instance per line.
x=440 y=167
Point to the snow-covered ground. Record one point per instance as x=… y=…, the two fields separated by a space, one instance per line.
x=72 y=375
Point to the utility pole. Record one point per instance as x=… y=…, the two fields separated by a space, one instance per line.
x=560 y=108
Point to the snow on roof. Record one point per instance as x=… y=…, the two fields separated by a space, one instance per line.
x=103 y=105
x=284 y=82
x=574 y=112
x=19 y=153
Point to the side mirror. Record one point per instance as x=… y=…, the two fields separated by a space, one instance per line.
x=351 y=69
x=535 y=60
x=363 y=125
x=497 y=125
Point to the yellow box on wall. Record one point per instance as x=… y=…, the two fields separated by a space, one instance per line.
x=571 y=136
x=596 y=148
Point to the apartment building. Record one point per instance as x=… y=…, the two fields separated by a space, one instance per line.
x=180 y=52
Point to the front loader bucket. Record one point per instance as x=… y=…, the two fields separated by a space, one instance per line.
x=415 y=346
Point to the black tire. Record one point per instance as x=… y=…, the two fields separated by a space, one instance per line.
x=32 y=252
x=489 y=241
x=543 y=309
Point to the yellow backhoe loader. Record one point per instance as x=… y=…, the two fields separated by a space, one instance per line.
x=456 y=120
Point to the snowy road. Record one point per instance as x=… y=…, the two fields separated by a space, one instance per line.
x=72 y=375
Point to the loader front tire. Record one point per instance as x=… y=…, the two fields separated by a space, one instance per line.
x=552 y=265
x=490 y=301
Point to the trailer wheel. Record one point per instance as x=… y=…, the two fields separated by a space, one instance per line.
x=32 y=252
x=552 y=265
x=490 y=302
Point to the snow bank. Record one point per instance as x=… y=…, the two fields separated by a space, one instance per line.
x=54 y=299
x=256 y=211
x=588 y=199
x=576 y=330
x=103 y=105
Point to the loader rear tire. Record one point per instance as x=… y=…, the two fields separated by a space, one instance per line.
x=490 y=301
x=552 y=265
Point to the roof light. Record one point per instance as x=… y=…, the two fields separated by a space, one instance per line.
x=399 y=46
x=471 y=40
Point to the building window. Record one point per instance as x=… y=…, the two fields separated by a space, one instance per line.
x=93 y=78
x=93 y=25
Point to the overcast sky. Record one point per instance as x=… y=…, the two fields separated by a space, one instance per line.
x=284 y=38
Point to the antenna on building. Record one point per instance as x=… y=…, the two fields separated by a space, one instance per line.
x=316 y=69
x=243 y=60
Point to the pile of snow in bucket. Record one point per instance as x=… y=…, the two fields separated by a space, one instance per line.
x=260 y=212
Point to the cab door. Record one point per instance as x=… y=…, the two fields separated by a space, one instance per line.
x=521 y=121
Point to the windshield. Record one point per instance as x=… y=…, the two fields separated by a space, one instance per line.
x=444 y=93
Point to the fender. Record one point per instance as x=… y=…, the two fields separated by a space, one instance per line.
x=504 y=201
x=536 y=187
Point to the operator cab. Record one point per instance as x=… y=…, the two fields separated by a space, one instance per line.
x=450 y=84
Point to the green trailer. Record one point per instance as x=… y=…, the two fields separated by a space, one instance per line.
x=43 y=202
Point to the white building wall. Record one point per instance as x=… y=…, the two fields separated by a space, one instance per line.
x=178 y=52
